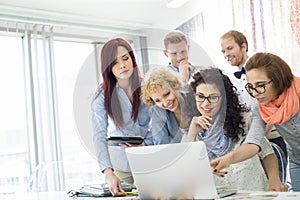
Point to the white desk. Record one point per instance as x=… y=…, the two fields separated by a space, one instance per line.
x=36 y=196
x=64 y=196
x=264 y=195
x=53 y=196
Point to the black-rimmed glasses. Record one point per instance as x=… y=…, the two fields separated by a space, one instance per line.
x=210 y=98
x=259 y=88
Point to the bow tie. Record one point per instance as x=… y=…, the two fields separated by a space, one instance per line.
x=238 y=74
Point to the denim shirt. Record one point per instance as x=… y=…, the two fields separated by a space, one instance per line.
x=164 y=126
x=103 y=126
x=290 y=131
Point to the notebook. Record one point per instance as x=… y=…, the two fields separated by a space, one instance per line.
x=170 y=171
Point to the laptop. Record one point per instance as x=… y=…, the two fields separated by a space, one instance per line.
x=173 y=171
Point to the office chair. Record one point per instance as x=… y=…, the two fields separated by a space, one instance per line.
x=282 y=164
x=282 y=161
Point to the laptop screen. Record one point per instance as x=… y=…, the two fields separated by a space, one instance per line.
x=168 y=171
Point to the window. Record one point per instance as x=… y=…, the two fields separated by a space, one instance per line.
x=71 y=59
x=17 y=150
x=14 y=154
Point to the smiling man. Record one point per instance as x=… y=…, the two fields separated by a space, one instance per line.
x=234 y=46
x=177 y=50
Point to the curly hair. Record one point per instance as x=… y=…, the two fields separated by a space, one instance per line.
x=231 y=107
x=159 y=78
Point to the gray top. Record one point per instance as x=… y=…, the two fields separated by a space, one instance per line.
x=290 y=131
x=256 y=131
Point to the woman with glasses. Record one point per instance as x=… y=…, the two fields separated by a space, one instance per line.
x=117 y=110
x=223 y=124
x=172 y=106
x=277 y=90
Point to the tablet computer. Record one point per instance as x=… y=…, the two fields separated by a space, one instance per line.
x=116 y=140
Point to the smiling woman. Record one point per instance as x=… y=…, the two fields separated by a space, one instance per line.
x=223 y=125
x=173 y=106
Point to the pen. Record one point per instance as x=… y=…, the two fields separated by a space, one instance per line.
x=127 y=193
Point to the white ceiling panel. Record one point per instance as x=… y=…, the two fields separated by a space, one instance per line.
x=139 y=13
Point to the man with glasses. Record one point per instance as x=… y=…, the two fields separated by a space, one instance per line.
x=234 y=47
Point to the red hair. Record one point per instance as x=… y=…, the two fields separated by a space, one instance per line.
x=111 y=101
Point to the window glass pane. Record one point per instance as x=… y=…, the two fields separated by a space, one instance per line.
x=14 y=167
x=80 y=166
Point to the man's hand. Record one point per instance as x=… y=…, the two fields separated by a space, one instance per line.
x=184 y=70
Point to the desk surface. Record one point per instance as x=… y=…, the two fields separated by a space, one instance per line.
x=64 y=196
x=265 y=195
x=52 y=196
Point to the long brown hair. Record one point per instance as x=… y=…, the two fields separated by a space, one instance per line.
x=111 y=100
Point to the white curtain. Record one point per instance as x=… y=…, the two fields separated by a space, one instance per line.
x=269 y=25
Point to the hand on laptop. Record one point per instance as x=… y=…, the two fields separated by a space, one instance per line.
x=220 y=163
x=113 y=182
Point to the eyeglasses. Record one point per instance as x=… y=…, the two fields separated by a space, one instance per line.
x=210 y=99
x=260 y=88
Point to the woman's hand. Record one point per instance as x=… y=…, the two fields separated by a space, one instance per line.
x=113 y=182
x=201 y=122
x=197 y=125
x=127 y=144
x=220 y=163
x=275 y=184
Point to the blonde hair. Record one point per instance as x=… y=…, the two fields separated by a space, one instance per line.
x=174 y=37
x=159 y=77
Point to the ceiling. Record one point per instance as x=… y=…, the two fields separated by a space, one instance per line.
x=114 y=13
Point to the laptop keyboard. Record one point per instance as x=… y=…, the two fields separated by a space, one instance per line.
x=224 y=191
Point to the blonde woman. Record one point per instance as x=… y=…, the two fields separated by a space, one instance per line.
x=172 y=107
